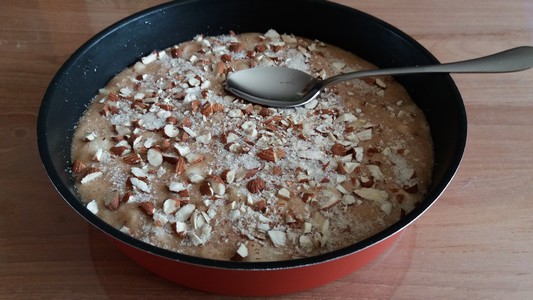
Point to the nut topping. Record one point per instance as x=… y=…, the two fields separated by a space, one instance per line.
x=256 y=185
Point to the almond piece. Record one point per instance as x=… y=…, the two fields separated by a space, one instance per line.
x=177 y=187
x=165 y=144
x=182 y=150
x=278 y=238
x=170 y=206
x=171 y=131
x=205 y=188
x=119 y=150
x=217 y=107
x=256 y=185
x=260 y=205
x=308 y=197
x=132 y=159
x=228 y=175
x=329 y=198
x=166 y=106
x=98 y=155
x=180 y=165
x=172 y=120
x=140 y=184
x=194 y=158
x=339 y=149
x=217 y=185
x=112 y=200
x=236 y=47
x=195 y=104
x=93 y=206
x=154 y=156
x=139 y=173
x=241 y=253
x=184 y=213
x=284 y=193
x=226 y=58
x=366 y=182
x=181 y=229
x=219 y=68
x=207 y=109
x=372 y=194
x=147 y=207
x=170 y=158
x=128 y=196
x=251 y=173
x=268 y=155
x=91 y=175
x=176 y=52
x=159 y=219
x=78 y=166
x=260 y=48
x=248 y=109
x=196 y=178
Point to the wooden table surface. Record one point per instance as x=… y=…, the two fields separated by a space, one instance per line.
x=475 y=243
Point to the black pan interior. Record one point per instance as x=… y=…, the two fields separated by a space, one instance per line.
x=119 y=46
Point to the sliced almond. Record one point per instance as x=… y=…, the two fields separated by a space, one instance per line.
x=147 y=207
x=195 y=177
x=170 y=206
x=182 y=149
x=205 y=189
x=159 y=219
x=98 y=154
x=306 y=241
x=111 y=201
x=207 y=109
x=180 y=228
x=140 y=185
x=339 y=149
x=132 y=159
x=241 y=253
x=180 y=166
x=184 y=213
x=268 y=155
x=372 y=194
x=217 y=184
x=92 y=206
x=154 y=157
x=128 y=196
x=91 y=175
x=256 y=185
x=78 y=166
x=119 y=150
x=228 y=175
x=308 y=197
x=177 y=187
x=139 y=173
x=171 y=131
x=193 y=158
x=278 y=238
x=284 y=193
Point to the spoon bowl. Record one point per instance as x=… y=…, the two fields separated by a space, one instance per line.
x=286 y=87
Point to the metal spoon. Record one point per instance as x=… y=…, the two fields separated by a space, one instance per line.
x=286 y=87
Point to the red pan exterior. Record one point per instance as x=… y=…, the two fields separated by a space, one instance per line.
x=235 y=282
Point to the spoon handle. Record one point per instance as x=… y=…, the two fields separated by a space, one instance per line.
x=515 y=59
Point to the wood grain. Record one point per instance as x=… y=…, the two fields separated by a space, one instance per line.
x=474 y=243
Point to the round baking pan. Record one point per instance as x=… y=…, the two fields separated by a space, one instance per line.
x=120 y=45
